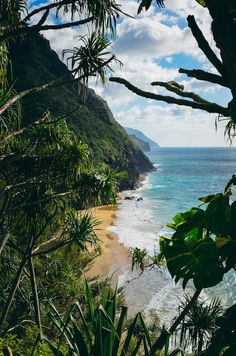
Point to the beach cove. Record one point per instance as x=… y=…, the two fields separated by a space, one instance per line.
x=114 y=257
x=147 y=293
x=175 y=185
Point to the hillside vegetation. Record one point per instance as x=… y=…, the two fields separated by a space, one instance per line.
x=35 y=63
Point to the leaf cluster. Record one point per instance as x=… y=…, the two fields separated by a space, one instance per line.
x=202 y=247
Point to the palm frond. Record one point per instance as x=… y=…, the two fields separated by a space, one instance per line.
x=104 y=12
x=92 y=58
x=199 y=324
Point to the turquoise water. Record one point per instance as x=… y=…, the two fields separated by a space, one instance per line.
x=182 y=175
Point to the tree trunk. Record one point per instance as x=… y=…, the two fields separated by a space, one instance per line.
x=35 y=296
x=223 y=13
x=12 y=293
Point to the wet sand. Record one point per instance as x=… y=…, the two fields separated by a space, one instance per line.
x=114 y=257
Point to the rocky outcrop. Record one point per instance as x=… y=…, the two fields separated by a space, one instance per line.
x=35 y=63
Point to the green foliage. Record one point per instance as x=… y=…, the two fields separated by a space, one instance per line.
x=104 y=12
x=43 y=167
x=202 y=2
x=91 y=121
x=98 y=328
x=199 y=324
x=223 y=341
x=198 y=261
x=139 y=258
x=10 y=11
x=90 y=57
x=202 y=247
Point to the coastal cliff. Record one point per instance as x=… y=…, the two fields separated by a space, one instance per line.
x=35 y=63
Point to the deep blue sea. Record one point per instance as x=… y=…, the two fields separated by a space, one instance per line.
x=185 y=174
x=181 y=176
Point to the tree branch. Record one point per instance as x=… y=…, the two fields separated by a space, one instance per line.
x=14 y=157
x=54 y=83
x=24 y=30
x=53 y=248
x=169 y=86
x=35 y=296
x=26 y=128
x=43 y=18
x=60 y=26
x=209 y=107
x=46 y=7
x=205 y=76
x=44 y=200
x=37 y=123
x=204 y=45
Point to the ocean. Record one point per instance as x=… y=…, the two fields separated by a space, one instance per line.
x=182 y=175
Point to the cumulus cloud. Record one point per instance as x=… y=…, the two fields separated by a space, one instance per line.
x=149 y=45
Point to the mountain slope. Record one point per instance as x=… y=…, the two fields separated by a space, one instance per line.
x=35 y=63
x=139 y=134
x=143 y=145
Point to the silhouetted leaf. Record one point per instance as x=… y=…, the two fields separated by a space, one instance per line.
x=198 y=261
x=217 y=215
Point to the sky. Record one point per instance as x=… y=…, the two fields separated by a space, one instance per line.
x=153 y=46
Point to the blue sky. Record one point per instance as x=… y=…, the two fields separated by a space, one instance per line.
x=152 y=46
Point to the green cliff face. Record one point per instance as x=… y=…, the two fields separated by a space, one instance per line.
x=35 y=63
x=143 y=145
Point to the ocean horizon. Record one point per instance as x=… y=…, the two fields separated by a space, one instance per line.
x=181 y=177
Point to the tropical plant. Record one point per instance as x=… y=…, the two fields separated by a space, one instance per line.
x=201 y=249
x=99 y=327
x=43 y=166
x=89 y=57
x=100 y=14
x=223 y=341
x=199 y=324
x=98 y=330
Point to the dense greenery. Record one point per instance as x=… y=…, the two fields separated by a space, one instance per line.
x=46 y=172
x=91 y=119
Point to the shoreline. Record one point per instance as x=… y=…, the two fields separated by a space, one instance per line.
x=114 y=256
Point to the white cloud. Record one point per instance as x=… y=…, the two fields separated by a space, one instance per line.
x=174 y=126
x=143 y=44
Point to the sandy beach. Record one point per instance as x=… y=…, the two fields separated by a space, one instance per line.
x=114 y=256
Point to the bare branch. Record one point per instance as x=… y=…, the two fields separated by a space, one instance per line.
x=60 y=26
x=47 y=7
x=204 y=45
x=57 y=246
x=180 y=92
x=14 y=157
x=26 y=128
x=205 y=76
x=209 y=107
x=43 y=18
x=44 y=200
x=37 y=122
x=54 y=83
x=35 y=297
x=24 y=30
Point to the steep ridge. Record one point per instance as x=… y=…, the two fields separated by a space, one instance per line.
x=35 y=63
x=139 y=134
x=143 y=145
